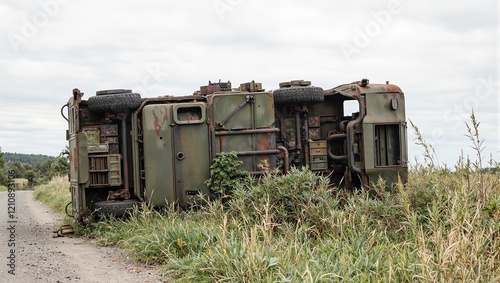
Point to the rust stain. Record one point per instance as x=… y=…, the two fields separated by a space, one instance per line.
x=72 y=158
x=160 y=114
x=263 y=142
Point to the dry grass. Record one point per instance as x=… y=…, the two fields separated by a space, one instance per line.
x=55 y=194
x=443 y=226
x=436 y=229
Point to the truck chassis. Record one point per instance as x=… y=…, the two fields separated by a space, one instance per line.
x=125 y=149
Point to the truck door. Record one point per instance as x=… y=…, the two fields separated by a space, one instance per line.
x=176 y=155
x=244 y=122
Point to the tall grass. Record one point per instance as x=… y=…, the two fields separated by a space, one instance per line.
x=434 y=229
x=442 y=226
x=55 y=193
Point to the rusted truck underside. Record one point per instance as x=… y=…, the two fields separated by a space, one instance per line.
x=125 y=149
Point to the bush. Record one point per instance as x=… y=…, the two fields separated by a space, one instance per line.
x=226 y=174
x=300 y=197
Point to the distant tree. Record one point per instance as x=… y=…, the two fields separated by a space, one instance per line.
x=60 y=167
x=18 y=168
x=3 y=173
x=27 y=167
x=32 y=178
x=43 y=169
x=26 y=158
x=36 y=168
x=1 y=159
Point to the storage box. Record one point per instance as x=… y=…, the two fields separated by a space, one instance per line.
x=317 y=148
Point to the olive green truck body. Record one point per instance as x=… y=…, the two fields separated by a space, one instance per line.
x=125 y=149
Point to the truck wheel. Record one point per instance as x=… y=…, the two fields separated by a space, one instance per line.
x=115 y=208
x=112 y=91
x=298 y=95
x=116 y=102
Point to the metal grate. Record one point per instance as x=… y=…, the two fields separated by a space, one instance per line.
x=387 y=145
x=98 y=169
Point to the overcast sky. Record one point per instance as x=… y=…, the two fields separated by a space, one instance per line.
x=443 y=54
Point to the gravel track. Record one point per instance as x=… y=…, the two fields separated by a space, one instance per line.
x=29 y=250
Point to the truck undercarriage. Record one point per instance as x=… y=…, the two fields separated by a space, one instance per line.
x=125 y=149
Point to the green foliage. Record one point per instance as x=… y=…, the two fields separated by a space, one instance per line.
x=17 y=167
x=297 y=197
x=493 y=208
x=226 y=173
x=61 y=165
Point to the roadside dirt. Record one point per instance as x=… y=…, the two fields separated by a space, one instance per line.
x=30 y=253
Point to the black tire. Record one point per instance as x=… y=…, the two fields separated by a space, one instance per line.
x=115 y=208
x=112 y=91
x=114 y=102
x=298 y=95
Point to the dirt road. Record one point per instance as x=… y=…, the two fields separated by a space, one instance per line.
x=29 y=253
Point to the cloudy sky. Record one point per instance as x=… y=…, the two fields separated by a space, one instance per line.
x=444 y=55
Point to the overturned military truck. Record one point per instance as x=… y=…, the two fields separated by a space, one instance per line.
x=125 y=149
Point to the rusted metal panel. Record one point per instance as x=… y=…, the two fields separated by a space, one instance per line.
x=314 y=134
x=288 y=131
x=258 y=114
x=109 y=136
x=215 y=87
x=158 y=156
x=313 y=121
x=379 y=108
x=176 y=159
x=247 y=128
x=82 y=158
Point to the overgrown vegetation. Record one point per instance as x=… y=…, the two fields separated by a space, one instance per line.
x=443 y=226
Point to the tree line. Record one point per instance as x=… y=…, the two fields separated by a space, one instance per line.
x=26 y=158
x=36 y=168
